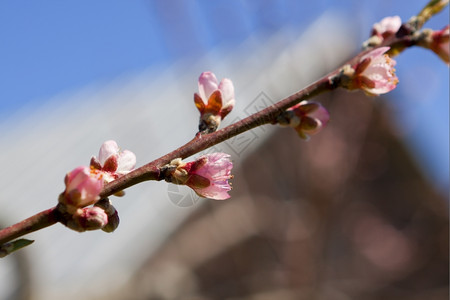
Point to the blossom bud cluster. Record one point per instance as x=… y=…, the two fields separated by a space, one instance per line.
x=84 y=184
x=208 y=176
x=435 y=40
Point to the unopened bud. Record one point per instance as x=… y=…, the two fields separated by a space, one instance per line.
x=111 y=212
x=307 y=118
x=83 y=186
x=214 y=101
x=88 y=218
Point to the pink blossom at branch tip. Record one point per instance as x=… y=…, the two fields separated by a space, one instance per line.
x=375 y=73
x=440 y=43
x=113 y=162
x=83 y=186
x=387 y=27
x=208 y=176
x=307 y=118
x=208 y=84
x=214 y=100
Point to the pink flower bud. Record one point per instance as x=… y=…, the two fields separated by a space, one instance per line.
x=374 y=74
x=387 y=27
x=440 y=43
x=83 y=186
x=208 y=176
x=88 y=218
x=307 y=118
x=111 y=212
x=214 y=100
x=113 y=162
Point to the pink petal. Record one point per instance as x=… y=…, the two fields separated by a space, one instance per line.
x=75 y=177
x=218 y=165
x=217 y=170
x=83 y=186
x=320 y=114
x=126 y=162
x=207 y=84
x=378 y=77
x=375 y=53
x=388 y=25
x=215 y=192
x=227 y=89
x=91 y=188
x=107 y=149
x=381 y=87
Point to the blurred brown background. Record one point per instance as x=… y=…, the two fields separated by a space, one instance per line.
x=346 y=215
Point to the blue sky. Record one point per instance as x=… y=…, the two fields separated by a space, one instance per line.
x=49 y=47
